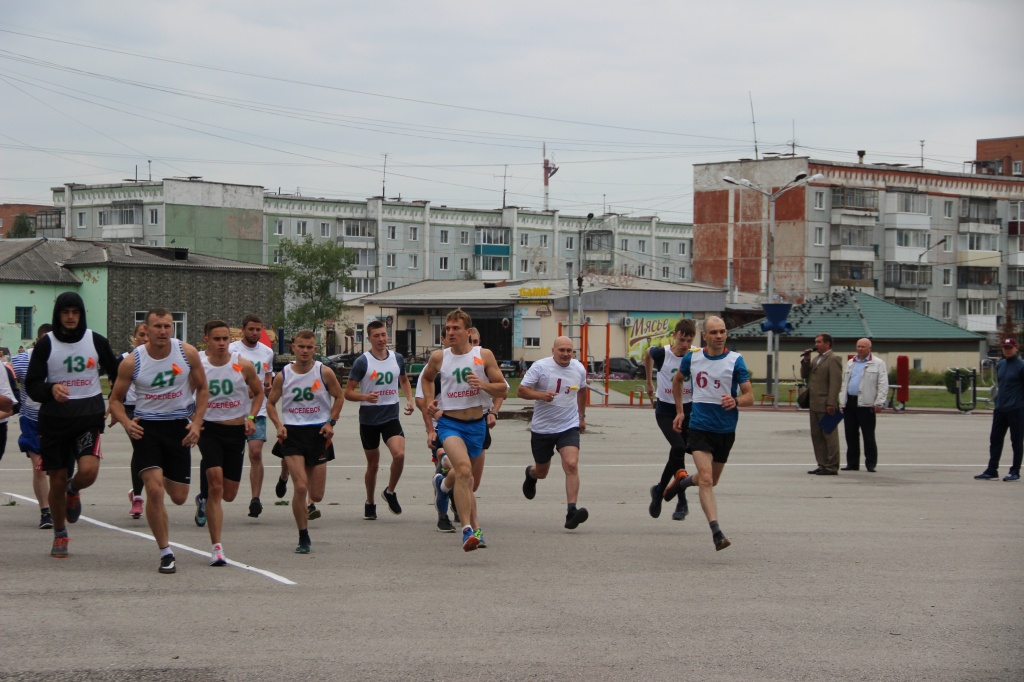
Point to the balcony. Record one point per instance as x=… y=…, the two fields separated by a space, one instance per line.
x=903 y=276
x=979 y=259
x=853 y=201
x=850 y=252
x=980 y=225
x=978 y=323
x=845 y=274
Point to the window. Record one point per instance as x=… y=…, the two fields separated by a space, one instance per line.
x=641 y=271
x=414 y=233
x=119 y=216
x=915 y=238
x=391 y=285
x=414 y=261
x=975 y=306
x=664 y=247
x=624 y=244
x=154 y=215
x=493 y=235
x=947 y=277
x=392 y=232
x=542 y=267
x=682 y=272
x=854 y=197
x=180 y=320
x=544 y=240
x=531 y=332
x=570 y=243
x=946 y=310
x=300 y=228
x=464 y=237
x=360 y=285
x=947 y=246
x=641 y=245
x=819 y=199
x=1018 y=167
x=947 y=209
x=391 y=260
x=277 y=255
x=1016 y=211
x=819 y=236
x=819 y=272
x=682 y=248
x=524 y=265
x=435 y=332
x=444 y=236
x=463 y=264
x=325 y=229
x=494 y=263
x=442 y=263
x=524 y=239
x=974 y=241
x=907 y=202
x=359 y=228
x=278 y=228
x=664 y=272
x=23 y=317
x=81 y=223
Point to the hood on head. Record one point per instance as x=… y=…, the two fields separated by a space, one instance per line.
x=68 y=299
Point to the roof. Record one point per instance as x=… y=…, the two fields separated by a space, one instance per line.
x=853 y=314
x=44 y=260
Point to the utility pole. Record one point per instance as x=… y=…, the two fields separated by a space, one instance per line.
x=549 y=170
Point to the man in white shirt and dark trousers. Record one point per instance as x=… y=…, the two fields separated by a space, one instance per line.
x=558 y=385
x=865 y=385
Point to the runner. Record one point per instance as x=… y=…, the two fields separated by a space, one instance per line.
x=721 y=383
x=465 y=371
x=373 y=382
x=262 y=358
x=169 y=411
x=664 y=362
x=28 y=441
x=441 y=464
x=558 y=386
x=135 y=494
x=230 y=417
x=64 y=378
x=306 y=392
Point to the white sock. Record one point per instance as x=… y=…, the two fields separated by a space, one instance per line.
x=444 y=489
x=164 y=551
x=469 y=528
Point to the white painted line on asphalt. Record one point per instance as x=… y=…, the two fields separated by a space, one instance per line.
x=144 y=536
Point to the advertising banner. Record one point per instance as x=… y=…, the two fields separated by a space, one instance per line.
x=649 y=329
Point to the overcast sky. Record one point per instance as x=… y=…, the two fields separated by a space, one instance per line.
x=310 y=96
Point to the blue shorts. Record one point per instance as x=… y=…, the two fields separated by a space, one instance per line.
x=471 y=433
x=261 y=430
x=28 y=441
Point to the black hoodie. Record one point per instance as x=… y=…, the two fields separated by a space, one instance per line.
x=83 y=413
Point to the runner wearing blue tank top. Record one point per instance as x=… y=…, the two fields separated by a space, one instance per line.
x=721 y=383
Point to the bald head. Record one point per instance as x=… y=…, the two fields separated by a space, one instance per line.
x=863 y=348
x=562 y=351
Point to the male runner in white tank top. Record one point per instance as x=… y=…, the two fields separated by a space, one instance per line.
x=465 y=370
x=170 y=403
x=230 y=417
x=311 y=402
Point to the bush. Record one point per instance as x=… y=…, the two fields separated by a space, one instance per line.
x=919 y=377
x=950 y=379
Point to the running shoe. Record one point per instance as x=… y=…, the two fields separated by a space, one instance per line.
x=444 y=525
x=255 y=507
x=655 y=508
x=60 y=547
x=45 y=520
x=986 y=475
x=440 y=498
x=74 y=507
x=682 y=508
x=479 y=533
x=574 y=518
x=304 y=546
x=167 y=564
x=721 y=542
x=469 y=539
x=1012 y=476
x=200 y=517
x=136 y=511
x=392 y=500
x=369 y=511
x=217 y=557
x=312 y=512
x=672 y=488
x=281 y=489
x=529 y=485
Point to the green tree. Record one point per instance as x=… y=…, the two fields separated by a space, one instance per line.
x=22 y=227
x=308 y=270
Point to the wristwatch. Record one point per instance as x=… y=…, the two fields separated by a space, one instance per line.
x=251 y=417
x=333 y=422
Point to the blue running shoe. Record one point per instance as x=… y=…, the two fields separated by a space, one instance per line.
x=440 y=498
x=469 y=539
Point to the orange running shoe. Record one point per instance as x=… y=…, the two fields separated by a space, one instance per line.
x=672 y=489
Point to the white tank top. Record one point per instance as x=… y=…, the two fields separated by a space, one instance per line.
x=305 y=400
x=262 y=359
x=129 y=396
x=229 y=394
x=668 y=369
x=381 y=376
x=456 y=393
x=162 y=390
x=712 y=378
x=76 y=365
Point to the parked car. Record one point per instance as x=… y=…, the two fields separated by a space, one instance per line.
x=343 y=359
x=619 y=368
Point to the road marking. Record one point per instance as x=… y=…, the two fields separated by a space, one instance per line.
x=236 y=564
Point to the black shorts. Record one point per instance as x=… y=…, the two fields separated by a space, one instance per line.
x=545 y=444
x=306 y=442
x=160 y=448
x=487 y=439
x=223 y=445
x=3 y=439
x=62 y=449
x=718 y=444
x=372 y=434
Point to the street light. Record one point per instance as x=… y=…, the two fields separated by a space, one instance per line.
x=798 y=181
x=579 y=273
x=917 y=273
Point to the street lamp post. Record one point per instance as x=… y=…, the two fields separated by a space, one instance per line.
x=773 y=350
x=917 y=273
x=579 y=273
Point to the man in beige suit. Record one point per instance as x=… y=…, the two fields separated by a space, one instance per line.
x=824 y=377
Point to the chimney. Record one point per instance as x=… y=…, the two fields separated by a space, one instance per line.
x=860 y=155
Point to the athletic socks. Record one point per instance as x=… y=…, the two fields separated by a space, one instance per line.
x=61 y=533
x=571 y=508
x=715 y=530
x=444 y=489
x=304 y=535
x=687 y=482
x=164 y=551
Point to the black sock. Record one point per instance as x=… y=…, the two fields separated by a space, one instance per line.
x=304 y=534
x=687 y=482
x=71 y=488
x=60 y=532
x=715 y=530
x=44 y=510
x=572 y=508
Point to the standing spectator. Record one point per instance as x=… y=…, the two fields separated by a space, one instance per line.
x=824 y=377
x=1008 y=414
x=28 y=441
x=865 y=385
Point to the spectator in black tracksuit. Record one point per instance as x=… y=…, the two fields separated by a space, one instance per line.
x=64 y=378
x=1008 y=414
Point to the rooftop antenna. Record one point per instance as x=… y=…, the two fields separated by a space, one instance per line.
x=753 y=123
x=384 y=180
x=922 y=154
x=549 y=170
x=792 y=142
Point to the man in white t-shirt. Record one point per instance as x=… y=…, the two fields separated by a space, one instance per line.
x=558 y=385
